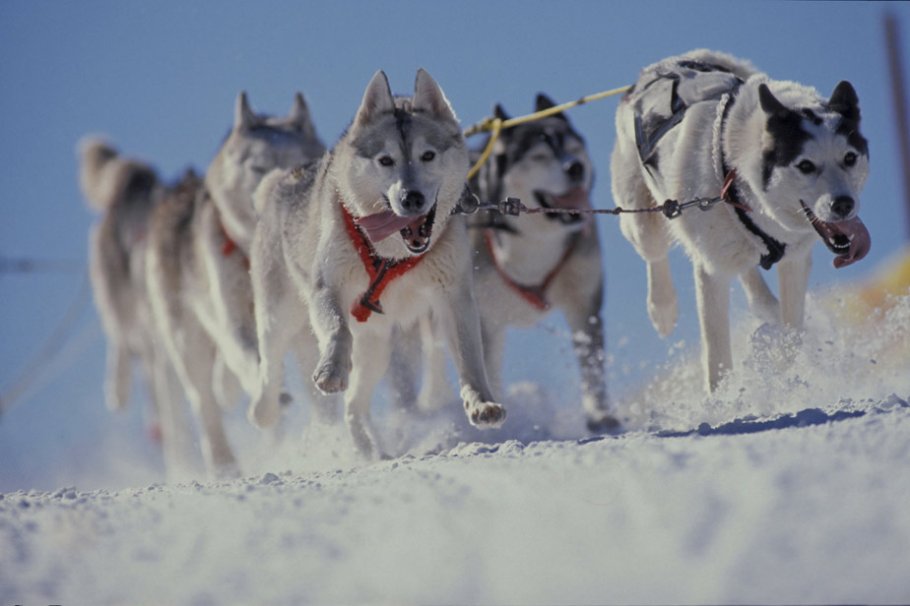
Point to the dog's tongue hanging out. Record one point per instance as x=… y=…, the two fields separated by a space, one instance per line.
x=380 y=226
x=852 y=234
x=415 y=230
x=849 y=240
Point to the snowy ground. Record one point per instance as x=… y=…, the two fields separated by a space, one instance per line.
x=790 y=485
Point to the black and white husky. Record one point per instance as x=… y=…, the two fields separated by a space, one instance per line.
x=788 y=162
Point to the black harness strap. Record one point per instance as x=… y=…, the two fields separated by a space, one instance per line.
x=776 y=249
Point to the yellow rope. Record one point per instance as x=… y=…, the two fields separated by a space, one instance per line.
x=496 y=128
x=497 y=125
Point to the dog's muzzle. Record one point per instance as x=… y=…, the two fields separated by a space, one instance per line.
x=849 y=239
x=576 y=198
x=415 y=231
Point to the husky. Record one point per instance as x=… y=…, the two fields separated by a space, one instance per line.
x=787 y=162
x=198 y=266
x=126 y=192
x=527 y=266
x=361 y=244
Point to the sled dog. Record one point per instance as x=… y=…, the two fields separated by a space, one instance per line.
x=526 y=266
x=788 y=162
x=361 y=244
x=198 y=268
x=127 y=191
x=124 y=191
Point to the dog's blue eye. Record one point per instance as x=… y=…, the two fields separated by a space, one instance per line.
x=386 y=161
x=849 y=159
x=806 y=167
x=428 y=156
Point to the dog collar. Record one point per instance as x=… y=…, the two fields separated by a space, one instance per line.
x=380 y=270
x=534 y=295
x=229 y=245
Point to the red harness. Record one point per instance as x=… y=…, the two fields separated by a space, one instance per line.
x=534 y=295
x=380 y=270
x=229 y=246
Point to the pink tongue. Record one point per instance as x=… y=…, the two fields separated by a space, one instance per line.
x=380 y=226
x=860 y=243
x=575 y=199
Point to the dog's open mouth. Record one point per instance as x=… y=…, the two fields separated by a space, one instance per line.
x=415 y=231
x=575 y=198
x=849 y=240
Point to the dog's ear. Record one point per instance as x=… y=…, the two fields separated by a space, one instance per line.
x=428 y=97
x=377 y=99
x=300 y=115
x=845 y=101
x=499 y=112
x=244 y=118
x=544 y=102
x=770 y=104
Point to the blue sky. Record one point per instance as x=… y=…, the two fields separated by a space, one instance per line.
x=160 y=80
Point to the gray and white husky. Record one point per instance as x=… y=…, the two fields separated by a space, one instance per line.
x=198 y=268
x=124 y=191
x=360 y=245
x=527 y=266
x=788 y=162
x=127 y=191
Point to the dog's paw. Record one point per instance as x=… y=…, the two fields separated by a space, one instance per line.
x=264 y=413
x=330 y=377
x=485 y=415
x=663 y=315
x=603 y=423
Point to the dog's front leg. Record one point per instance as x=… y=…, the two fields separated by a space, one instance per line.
x=712 y=293
x=793 y=280
x=761 y=300
x=331 y=327
x=588 y=341
x=463 y=330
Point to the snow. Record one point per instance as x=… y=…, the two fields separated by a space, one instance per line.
x=789 y=485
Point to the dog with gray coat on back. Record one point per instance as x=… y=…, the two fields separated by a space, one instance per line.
x=788 y=162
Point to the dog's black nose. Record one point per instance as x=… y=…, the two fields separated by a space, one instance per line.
x=413 y=200
x=843 y=206
x=576 y=170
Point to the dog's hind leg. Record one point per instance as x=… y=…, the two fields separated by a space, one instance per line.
x=326 y=408
x=793 y=281
x=494 y=340
x=761 y=300
x=279 y=319
x=119 y=374
x=231 y=296
x=196 y=368
x=647 y=232
x=713 y=299
x=370 y=358
x=192 y=352
x=588 y=342
x=112 y=289
x=180 y=459
x=406 y=352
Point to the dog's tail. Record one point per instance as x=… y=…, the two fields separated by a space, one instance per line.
x=106 y=177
